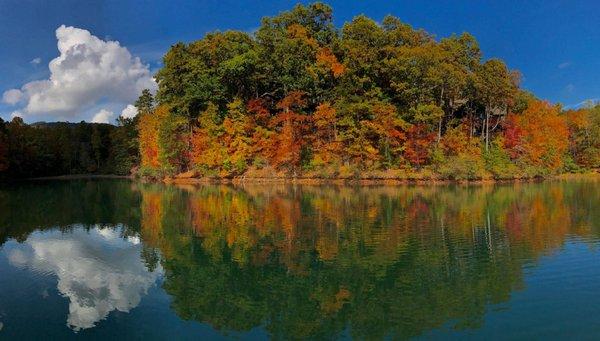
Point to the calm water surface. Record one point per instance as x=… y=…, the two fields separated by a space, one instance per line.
x=100 y=259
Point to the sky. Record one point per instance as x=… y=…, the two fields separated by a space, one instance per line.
x=72 y=60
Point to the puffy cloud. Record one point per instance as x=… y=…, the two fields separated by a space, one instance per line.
x=12 y=96
x=103 y=116
x=129 y=112
x=97 y=270
x=36 y=61
x=88 y=71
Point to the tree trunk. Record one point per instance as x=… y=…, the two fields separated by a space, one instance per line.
x=487 y=129
x=439 y=137
x=471 y=127
x=189 y=145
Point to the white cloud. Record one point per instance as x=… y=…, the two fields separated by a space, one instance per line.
x=98 y=271
x=129 y=112
x=103 y=116
x=12 y=96
x=588 y=103
x=36 y=61
x=570 y=88
x=89 y=71
x=16 y=114
x=564 y=65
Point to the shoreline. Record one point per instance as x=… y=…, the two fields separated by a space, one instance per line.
x=367 y=181
x=79 y=177
x=318 y=181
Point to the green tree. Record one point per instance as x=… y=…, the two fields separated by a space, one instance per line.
x=145 y=103
x=494 y=89
x=173 y=143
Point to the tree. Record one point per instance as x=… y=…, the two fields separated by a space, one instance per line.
x=291 y=126
x=237 y=126
x=125 y=151
x=148 y=130
x=362 y=43
x=418 y=143
x=4 y=162
x=539 y=136
x=360 y=145
x=326 y=146
x=207 y=149
x=173 y=141
x=494 y=88
x=584 y=136
x=145 y=103
x=389 y=132
x=97 y=146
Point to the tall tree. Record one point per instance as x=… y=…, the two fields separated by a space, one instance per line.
x=145 y=103
x=494 y=88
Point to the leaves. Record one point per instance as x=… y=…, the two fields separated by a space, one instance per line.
x=539 y=136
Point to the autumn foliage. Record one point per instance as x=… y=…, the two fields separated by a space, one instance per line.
x=539 y=136
x=148 y=126
x=304 y=98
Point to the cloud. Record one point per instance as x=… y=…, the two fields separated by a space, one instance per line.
x=98 y=271
x=103 y=116
x=12 y=96
x=16 y=114
x=564 y=65
x=570 y=88
x=129 y=112
x=36 y=61
x=89 y=71
x=587 y=103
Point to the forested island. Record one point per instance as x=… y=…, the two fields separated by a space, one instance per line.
x=302 y=98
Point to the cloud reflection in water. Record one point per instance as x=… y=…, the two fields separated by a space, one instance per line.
x=98 y=270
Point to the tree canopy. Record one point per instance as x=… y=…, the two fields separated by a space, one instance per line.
x=301 y=97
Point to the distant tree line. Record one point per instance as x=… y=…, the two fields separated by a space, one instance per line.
x=49 y=149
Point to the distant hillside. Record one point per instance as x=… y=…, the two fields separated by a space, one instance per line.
x=64 y=124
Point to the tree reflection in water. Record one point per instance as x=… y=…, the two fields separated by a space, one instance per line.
x=306 y=261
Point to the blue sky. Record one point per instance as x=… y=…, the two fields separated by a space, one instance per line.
x=555 y=44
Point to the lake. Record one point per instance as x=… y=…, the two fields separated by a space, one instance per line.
x=116 y=259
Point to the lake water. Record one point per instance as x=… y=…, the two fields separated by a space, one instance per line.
x=114 y=259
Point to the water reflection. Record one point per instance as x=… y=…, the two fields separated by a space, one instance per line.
x=309 y=262
x=98 y=270
x=299 y=261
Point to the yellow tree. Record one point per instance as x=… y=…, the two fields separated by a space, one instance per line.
x=389 y=132
x=236 y=128
x=148 y=129
x=327 y=147
x=207 y=148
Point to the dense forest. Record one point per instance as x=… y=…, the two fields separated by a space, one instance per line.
x=301 y=97
x=50 y=149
